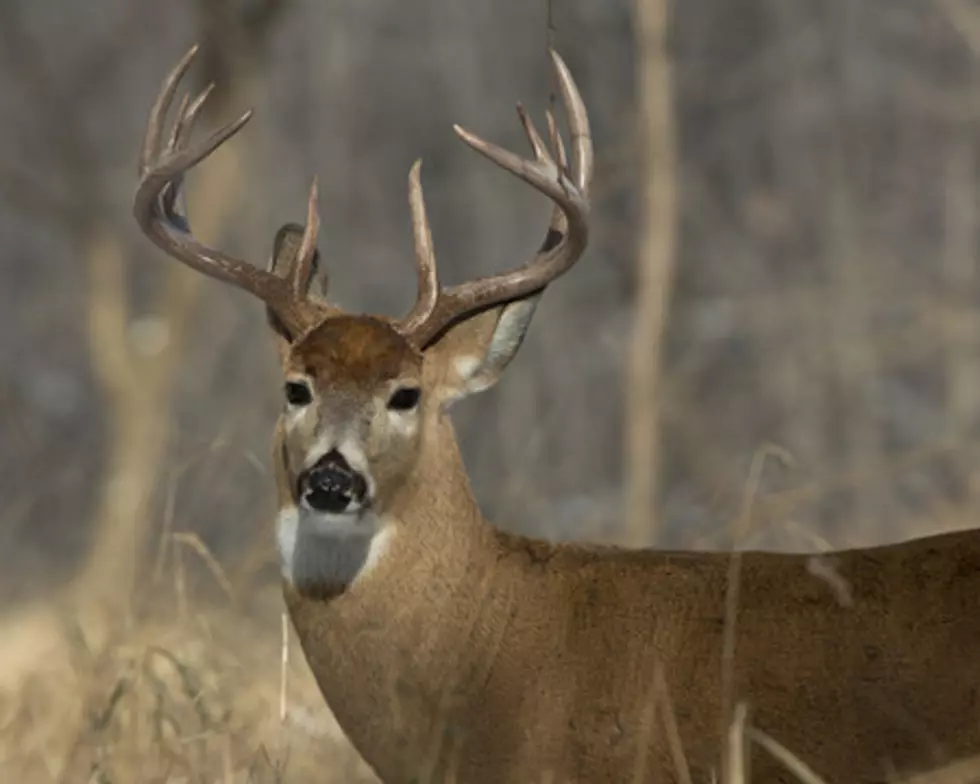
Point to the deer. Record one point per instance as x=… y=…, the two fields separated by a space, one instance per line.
x=450 y=650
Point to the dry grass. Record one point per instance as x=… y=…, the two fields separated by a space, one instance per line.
x=196 y=697
x=201 y=690
x=172 y=699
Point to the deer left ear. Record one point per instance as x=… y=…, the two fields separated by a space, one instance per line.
x=473 y=353
x=285 y=255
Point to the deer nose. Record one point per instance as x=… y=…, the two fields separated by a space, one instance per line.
x=331 y=485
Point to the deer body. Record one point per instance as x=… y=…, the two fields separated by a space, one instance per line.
x=450 y=651
x=466 y=654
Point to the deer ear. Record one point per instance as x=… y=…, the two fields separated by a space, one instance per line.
x=285 y=252
x=472 y=354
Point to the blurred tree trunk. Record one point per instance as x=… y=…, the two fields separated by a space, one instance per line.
x=654 y=269
x=138 y=377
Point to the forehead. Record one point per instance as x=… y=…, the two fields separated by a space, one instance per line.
x=361 y=348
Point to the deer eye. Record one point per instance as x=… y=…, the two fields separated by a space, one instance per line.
x=404 y=398
x=298 y=393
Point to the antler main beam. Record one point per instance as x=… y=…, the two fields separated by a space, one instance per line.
x=568 y=233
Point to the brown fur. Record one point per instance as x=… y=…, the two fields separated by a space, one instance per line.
x=353 y=350
x=471 y=655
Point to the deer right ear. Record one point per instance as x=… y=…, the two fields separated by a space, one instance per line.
x=473 y=353
x=285 y=255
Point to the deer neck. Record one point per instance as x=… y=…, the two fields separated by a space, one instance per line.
x=437 y=502
x=418 y=624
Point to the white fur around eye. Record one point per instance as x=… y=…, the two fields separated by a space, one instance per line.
x=405 y=423
x=402 y=419
x=295 y=411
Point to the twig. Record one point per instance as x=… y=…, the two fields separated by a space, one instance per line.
x=733 y=586
x=790 y=761
x=283 y=667
x=195 y=542
x=736 y=765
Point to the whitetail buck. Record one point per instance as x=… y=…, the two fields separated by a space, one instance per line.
x=451 y=651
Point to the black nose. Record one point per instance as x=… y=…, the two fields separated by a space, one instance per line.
x=331 y=485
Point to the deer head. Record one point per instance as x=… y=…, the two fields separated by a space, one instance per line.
x=360 y=392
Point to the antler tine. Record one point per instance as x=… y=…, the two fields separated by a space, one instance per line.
x=307 y=245
x=568 y=229
x=175 y=131
x=188 y=117
x=583 y=156
x=161 y=172
x=556 y=143
x=558 y=226
x=533 y=137
x=168 y=197
x=150 y=149
x=187 y=113
x=425 y=257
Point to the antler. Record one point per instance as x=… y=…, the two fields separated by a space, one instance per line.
x=568 y=232
x=161 y=170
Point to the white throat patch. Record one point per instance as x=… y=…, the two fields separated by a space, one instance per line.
x=321 y=548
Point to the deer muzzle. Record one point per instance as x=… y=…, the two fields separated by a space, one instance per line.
x=331 y=485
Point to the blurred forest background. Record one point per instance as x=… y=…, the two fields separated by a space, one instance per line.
x=782 y=266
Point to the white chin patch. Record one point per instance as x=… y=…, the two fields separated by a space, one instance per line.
x=329 y=547
x=353 y=523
